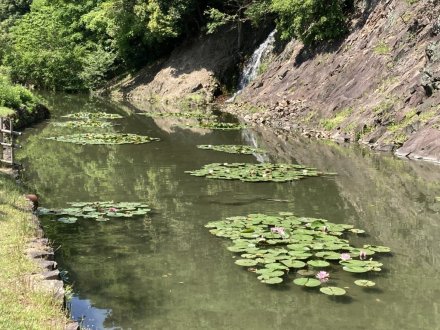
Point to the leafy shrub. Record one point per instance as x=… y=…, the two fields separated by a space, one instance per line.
x=311 y=21
x=15 y=96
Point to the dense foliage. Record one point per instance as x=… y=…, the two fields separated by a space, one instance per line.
x=15 y=96
x=73 y=45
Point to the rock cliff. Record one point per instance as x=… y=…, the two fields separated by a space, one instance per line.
x=379 y=86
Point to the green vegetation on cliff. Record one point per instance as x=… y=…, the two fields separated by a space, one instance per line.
x=65 y=45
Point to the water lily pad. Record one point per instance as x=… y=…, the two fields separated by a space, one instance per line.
x=93 y=115
x=306 y=272
x=332 y=291
x=263 y=172
x=273 y=280
x=96 y=138
x=186 y=114
x=90 y=123
x=357 y=231
x=294 y=263
x=378 y=248
x=270 y=274
x=232 y=149
x=217 y=125
x=257 y=238
x=100 y=211
x=68 y=220
x=354 y=269
x=275 y=265
x=328 y=255
x=318 y=263
x=364 y=283
x=308 y=282
x=246 y=262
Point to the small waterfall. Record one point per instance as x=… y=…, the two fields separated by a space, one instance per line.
x=250 y=69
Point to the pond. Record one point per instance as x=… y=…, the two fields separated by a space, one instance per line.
x=166 y=271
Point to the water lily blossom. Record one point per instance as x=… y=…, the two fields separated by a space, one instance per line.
x=112 y=209
x=345 y=256
x=362 y=255
x=323 y=276
x=278 y=230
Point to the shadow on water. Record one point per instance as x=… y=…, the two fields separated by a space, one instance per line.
x=168 y=272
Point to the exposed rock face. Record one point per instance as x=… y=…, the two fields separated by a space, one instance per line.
x=198 y=67
x=380 y=86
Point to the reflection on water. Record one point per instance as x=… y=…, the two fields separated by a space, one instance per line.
x=167 y=272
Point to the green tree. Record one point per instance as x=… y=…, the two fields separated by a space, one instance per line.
x=237 y=12
x=48 y=49
x=311 y=20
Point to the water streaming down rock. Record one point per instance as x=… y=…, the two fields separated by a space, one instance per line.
x=250 y=69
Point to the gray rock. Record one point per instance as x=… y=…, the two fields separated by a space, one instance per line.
x=52 y=275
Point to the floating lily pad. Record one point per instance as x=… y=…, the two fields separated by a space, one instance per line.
x=83 y=124
x=318 y=263
x=186 y=114
x=96 y=138
x=273 y=280
x=332 y=291
x=306 y=272
x=271 y=254
x=246 y=262
x=357 y=231
x=294 y=263
x=68 y=220
x=364 y=283
x=328 y=255
x=232 y=149
x=308 y=282
x=218 y=125
x=354 y=269
x=378 y=248
x=263 y=172
x=93 y=115
x=99 y=211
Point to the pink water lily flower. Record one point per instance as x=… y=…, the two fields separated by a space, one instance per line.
x=362 y=255
x=323 y=276
x=278 y=230
x=345 y=256
x=112 y=209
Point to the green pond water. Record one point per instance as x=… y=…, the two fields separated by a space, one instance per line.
x=168 y=272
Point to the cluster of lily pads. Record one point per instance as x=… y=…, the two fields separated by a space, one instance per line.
x=93 y=115
x=274 y=246
x=99 y=211
x=262 y=172
x=88 y=123
x=217 y=126
x=232 y=149
x=187 y=114
x=109 y=138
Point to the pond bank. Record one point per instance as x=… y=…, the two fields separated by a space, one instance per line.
x=32 y=294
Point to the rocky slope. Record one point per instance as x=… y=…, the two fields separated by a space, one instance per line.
x=194 y=71
x=380 y=86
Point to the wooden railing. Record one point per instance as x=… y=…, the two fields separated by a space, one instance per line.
x=7 y=142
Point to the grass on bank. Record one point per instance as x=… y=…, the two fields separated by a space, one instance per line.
x=22 y=306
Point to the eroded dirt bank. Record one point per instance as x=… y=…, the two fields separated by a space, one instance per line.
x=197 y=70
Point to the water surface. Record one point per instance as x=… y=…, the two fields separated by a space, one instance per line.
x=168 y=272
